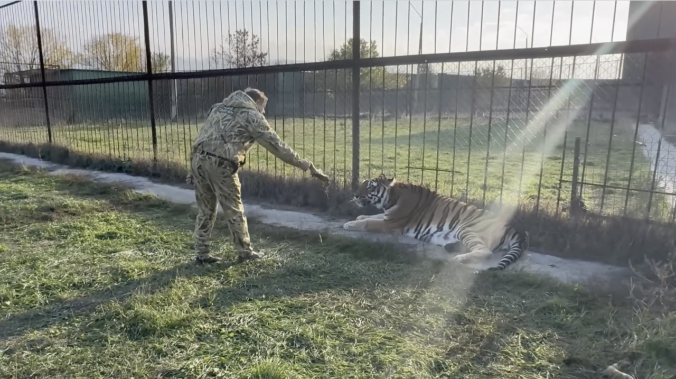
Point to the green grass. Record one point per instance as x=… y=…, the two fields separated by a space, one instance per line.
x=98 y=282
x=458 y=166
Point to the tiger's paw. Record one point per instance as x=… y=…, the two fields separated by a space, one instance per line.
x=351 y=225
x=362 y=217
x=472 y=257
x=462 y=258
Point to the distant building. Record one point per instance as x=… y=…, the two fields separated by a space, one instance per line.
x=77 y=103
x=650 y=20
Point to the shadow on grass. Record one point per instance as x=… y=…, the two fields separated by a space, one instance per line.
x=60 y=311
x=167 y=216
x=499 y=322
x=512 y=322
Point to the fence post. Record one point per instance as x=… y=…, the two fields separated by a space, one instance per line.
x=174 y=93
x=42 y=72
x=356 y=83
x=575 y=204
x=662 y=118
x=149 y=69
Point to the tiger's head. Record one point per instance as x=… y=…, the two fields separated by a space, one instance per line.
x=373 y=192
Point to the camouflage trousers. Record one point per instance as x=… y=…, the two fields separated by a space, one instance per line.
x=216 y=182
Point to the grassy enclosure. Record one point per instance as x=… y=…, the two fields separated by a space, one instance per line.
x=100 y=281
x=474 y=159
x=97 y=281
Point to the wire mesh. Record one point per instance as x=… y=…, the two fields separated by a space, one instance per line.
x=487 y=130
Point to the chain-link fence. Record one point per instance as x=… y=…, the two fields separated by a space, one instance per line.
x=488 y=126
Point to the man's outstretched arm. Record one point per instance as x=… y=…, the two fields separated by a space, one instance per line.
x=269 y=139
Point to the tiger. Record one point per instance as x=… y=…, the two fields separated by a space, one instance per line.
x=418 y=212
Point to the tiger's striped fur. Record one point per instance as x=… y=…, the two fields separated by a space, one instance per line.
x=427 y=216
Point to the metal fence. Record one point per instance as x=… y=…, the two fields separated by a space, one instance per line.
x=535 y=125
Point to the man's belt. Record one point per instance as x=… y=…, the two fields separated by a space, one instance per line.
x=238 y=164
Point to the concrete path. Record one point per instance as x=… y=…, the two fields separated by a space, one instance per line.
x=565 y=270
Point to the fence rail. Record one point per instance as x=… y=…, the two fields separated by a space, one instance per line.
x=489 y=125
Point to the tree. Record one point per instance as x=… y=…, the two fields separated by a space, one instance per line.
x=394 y=80
x=485 y=76
x=341 y=80
x=428 y=73
x=428 y=68
x=488 y=83
x=19 y=49
x=113 y=52
x=120 y=52
x=370 y=78
x=366 y=50
x=239 y=51
x=540 y=76
x=160 y=62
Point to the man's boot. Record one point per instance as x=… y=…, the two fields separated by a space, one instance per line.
x=249 y=256
x=206 y=259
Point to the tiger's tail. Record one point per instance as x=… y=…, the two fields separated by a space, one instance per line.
x=519 y=242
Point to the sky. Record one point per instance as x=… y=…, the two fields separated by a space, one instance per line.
x=308 y=31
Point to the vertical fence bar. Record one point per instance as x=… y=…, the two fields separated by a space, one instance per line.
x=589 y=120
x=42 y=71
x=509 y=104
x=565 y=132
x=424 y=110
x=356 y=83
x=610 y=142
x=471 y=125
x=440 y=86
x=490 y=109
x=574 y=200
x=370 y=90
x=638 y=122
x=172 y=47
x=659 y=148
x=490 y=125
x=149 y=69
x=455 y=126
x=528 y=101
x=547 y=121
x=571 y=78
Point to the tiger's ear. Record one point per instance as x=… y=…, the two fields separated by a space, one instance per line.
x=384 y=179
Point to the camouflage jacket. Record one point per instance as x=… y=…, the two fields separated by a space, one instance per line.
x=234 y=125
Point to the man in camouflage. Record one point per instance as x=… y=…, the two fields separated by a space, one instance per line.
x=231 y=129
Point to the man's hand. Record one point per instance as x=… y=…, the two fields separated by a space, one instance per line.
x=317 y=173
